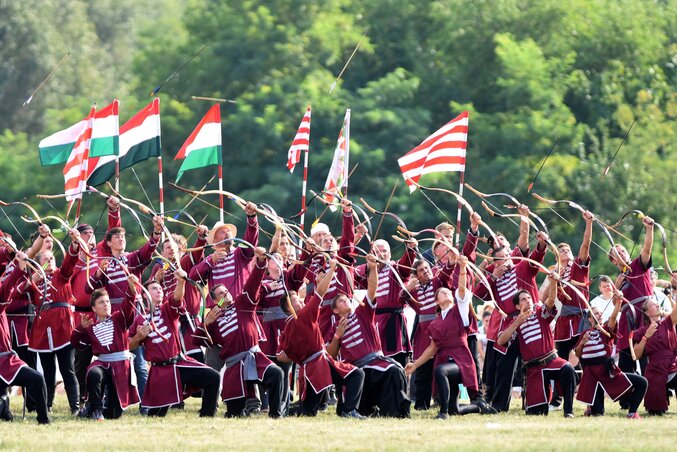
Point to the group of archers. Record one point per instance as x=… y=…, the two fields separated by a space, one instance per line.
x=321 y=321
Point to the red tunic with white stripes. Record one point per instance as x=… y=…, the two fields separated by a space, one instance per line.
x=390 y=321
x=192 y=298
x=163 y=350
x=536 y=342
x=232 y=271
x=636 y=288
x=54 y=317
x=521 y=277
x=302 y=342
x=83 y=272
x=599 y=368
x=10 y=364
x=343 y=280
x=568 y=322
x=451 y=337
x=238 y=331
x=18 y=309
x=114 y=278
x=110 y=343
x=273 y=317
x=361 y=338
x=426 y=308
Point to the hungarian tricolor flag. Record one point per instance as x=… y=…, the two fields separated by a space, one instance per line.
x=139 y=140
x=443 y=151
x=338 y=173
x=56 y=148
x=203 y=146
x=75 y=171
x=105 y=132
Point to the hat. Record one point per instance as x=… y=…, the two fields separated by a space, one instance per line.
x=220 y=225
x=319 y=228
x=84 y=227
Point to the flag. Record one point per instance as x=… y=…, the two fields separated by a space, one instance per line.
x=338 y=173
x=443 y=151
x=301 y=142
x=105 y=132
x=56 y=148
x=75 y=171
x=203 y=146
x=139 y=140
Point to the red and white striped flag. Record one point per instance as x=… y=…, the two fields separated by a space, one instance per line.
x=75 y=171
x=443 y=151
x=301 y=142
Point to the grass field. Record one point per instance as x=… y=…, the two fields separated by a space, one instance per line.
x=184 y=430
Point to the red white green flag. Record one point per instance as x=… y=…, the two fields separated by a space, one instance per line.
x=75 y=171
x=105 y=132
x=203 y=146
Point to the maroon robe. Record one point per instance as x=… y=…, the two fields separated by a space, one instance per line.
x=238 y=332
x=53 y=322
x=343 y=280
x=569 y=320
x=390 y=321
x=192 y=298
x=521 y=277
x=361 y=341
x=661 y=350
x=273 y=317
x=536 y=342
x=18 y=308
x=10 y=364
x=162 y=350
x=114 y=278
x=232 y=271
x=302 y=342
x=598 y=369
x=636 y=288
x=451 y=338
x=426 y=308
x=110 y=344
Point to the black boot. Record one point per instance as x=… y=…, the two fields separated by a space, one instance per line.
x=5 y=413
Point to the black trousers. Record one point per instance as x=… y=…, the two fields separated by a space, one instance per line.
x=83 y=358
x=423 y=382
x=272 y=380
x=563 y=350
x=205 y=378
x=633 y=398
x=34 y=382
x=627 y=364
x=100 y=382
x=353 y=384
x=401 y=358
x=489 y=370
x=566 y=376
x=505 y=370
x=29 y=358
x=474 y=351
x=385 y=393
x=447 y=379
x=65 y=358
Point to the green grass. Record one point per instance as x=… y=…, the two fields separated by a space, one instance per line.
x=184 y=430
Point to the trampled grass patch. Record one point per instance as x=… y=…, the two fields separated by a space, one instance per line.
x=183 y=430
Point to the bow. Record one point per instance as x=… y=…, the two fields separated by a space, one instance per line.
x=461 y=200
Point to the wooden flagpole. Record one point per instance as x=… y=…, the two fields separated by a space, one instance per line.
x=221 y=194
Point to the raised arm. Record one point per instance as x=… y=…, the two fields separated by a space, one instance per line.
x=251 y=233
x=645 y=254
x=618 y=301
x=372 y=278
x=324 y=280
x=584 y=251
x=523 y=240
x=549 y=301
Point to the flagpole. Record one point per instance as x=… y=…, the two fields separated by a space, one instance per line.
x=346 y=166
x=221 y=194
x=117 y=174
x=460 y=208
x=161 y=185
x=303 y=189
